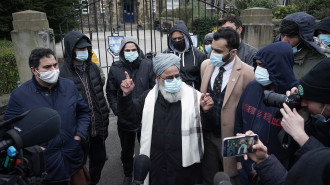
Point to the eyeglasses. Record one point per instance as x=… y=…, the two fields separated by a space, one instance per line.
x=171 y=78
x=130 y=50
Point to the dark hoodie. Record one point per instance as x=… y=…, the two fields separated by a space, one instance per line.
x=191 y=57
x=91 y=72
x=310 y=54
x=253 y=114
x=140 y=70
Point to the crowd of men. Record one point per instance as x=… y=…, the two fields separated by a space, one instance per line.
x=182 y=104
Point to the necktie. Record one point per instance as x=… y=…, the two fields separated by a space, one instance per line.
x=218 y=81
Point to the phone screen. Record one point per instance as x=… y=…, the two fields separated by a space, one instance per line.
x=240 y=145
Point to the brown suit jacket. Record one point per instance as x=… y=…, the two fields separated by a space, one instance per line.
x=240 y=76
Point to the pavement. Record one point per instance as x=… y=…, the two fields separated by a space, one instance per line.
x=112 y=173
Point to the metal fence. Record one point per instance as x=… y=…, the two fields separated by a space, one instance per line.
x=149 y=21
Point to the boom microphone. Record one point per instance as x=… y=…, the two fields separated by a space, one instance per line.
x=37 y=126
x=221 y=178
x=141 y=168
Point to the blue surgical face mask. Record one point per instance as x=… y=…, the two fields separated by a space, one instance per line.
x=81 y=55
x=295 y=49
x=320 y=117
x=208 y=48
x=262 y=76
x=325 y=38
x=216 y=59
x=131 y=56
x=173 y=85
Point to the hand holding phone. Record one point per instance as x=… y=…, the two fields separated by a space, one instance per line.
x=238 y=145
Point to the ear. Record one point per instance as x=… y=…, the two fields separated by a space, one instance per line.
x=233 y=53
x=158 y=79
x=34 y=71
x=239 y=30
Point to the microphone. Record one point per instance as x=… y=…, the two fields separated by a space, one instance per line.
x=141 y=168
x=37 y=126
x=221 y=178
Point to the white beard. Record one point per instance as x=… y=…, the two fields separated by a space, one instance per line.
x=170 y=97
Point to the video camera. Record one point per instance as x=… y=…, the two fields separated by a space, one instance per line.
x=276 y=100
x=21 y=160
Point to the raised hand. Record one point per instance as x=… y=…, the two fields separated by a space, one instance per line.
x=206 y=101
x=127 y=85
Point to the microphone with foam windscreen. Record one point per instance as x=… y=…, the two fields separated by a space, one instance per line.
x=37 y=126
x=142 y=166
x=221 y=178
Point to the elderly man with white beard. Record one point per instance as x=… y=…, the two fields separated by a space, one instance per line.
x=171 y=128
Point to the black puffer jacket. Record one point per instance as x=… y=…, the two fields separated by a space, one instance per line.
x=191 y=58
x=67 y=70
x=140 y=70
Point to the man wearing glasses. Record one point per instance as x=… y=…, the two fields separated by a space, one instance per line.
x=180 y=44
x=171 y=128
x=131 y=60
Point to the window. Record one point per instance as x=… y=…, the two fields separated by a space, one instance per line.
x=102 y=7
x=211 y=4
x=175 y=4
x=154 y=6
x=85 y=7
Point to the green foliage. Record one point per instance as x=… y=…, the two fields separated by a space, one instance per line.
x=56 y=12
x=203 y=26
x=318 y=8
x=282 y=11
x=8 y=67
x=261 y=3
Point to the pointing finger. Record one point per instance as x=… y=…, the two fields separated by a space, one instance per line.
x=127 y=75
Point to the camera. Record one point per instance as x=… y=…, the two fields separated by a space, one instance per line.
x=21 y=160
x=276 y=100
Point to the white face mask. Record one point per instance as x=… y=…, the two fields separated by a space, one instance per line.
x=50 y=77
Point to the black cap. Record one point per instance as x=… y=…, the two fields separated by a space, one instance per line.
x=83 y=43
x=315 y=84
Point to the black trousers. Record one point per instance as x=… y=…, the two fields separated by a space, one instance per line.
x=96 y=152
x=127 y=142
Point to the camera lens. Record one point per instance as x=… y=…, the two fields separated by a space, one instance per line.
x=273 y=99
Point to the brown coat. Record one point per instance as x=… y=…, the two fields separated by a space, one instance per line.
x=240 y=76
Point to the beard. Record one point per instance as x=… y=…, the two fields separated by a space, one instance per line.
x=170 y=97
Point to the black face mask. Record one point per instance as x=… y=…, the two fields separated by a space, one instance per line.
x=179 y=45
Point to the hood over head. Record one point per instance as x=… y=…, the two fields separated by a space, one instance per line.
x=128 y=40
x=306 y=27
x=323 y=25
x=278 y=60
x=71 y=40
x=181 y=27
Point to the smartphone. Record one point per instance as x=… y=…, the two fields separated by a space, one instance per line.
x=238 y=145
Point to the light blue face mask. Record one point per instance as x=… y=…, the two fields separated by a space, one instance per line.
x=216 y=59
x=320 y=117
x=262 y=76
x=295 y=49
x=131 y=56
x=173 y=86
x=81 y=55
x=208 y=48
x=325 y=38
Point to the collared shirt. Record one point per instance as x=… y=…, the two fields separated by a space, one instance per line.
x=226 y=74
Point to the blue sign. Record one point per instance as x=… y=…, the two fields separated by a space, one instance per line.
x=114 y=45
